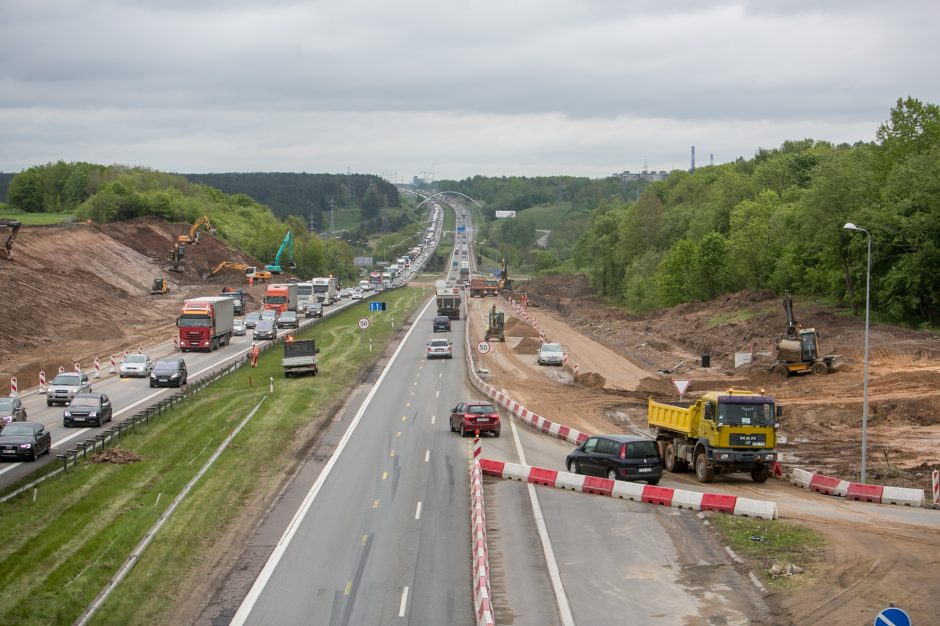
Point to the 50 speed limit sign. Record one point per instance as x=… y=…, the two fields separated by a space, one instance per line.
x=363 y=323
x=483 y=347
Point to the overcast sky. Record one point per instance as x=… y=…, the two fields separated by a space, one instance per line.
x=458 y=88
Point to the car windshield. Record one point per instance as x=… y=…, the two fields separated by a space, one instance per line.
x=253 y=316
x=17 y=430
x=67 y=379
x=239 y=322
x=6 y=404
x=439 y=343
x=80 y=401
x=288 y=315
x=193 y=321
x=264 y=325
x=269 y=315
x=480 y=408
x=165 y=366
x=641 y=449
x=136 y=358
x=745 y=414
x=551 y=347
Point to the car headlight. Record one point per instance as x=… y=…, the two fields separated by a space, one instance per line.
x=67 y=414
x=176 y=375
x=93 y=414
x=153 y=375
x=26 y=446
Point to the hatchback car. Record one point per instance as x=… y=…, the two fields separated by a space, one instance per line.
x=314 y=309
x=169 y=372
x=269 y=314
x=551 y=354
x=442 y=323
x=239 y=328
x=618 y=457
x=288 y=319
x=65 y=386
x=357 y=295
x=440 y=349
x=265 y=329
x=252 y=318
x=474 y=415
x=88 y=408
x=136 y=365
x=24 y=440
x=11 y=410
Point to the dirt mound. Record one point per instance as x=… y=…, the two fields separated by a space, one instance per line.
x=528 y=345
x=118 y=456
x=517 y=328
x=591 y=380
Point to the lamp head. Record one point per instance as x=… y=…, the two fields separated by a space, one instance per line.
x=851 y=226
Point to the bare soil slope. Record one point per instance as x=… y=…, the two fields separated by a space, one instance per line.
x=72 y=293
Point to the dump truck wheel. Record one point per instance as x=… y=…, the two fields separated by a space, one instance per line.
x=669 y=458
x=760 y=474
x=819 y=368
x=781 y=370
x=703 y=472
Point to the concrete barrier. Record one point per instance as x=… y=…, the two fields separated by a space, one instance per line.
x=878 y=494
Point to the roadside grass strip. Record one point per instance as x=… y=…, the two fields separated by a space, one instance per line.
x=59 y=551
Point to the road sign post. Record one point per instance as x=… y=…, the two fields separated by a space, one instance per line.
x=483 y=348
x=364 y=323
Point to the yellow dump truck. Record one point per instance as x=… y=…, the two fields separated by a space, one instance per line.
x=722 y=432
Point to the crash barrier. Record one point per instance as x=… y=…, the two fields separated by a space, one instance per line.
x=638 y=492
x=13 y=387
x=480 y=552
x=856 y=491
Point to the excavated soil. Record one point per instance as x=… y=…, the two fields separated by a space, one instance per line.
x=73 y=293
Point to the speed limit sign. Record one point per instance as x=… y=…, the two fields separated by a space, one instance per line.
x=363 y=323
x=483 y=347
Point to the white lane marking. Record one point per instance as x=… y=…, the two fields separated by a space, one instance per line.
x=244 y=610
x=418 y=511
x=404 y=602
x=564 y=608
x=427 y=455
x=437 y=394
x=433 y=417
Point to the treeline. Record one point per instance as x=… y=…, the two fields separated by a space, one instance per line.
x=776 y=221
x=106 y=194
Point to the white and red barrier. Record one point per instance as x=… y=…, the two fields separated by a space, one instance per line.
x=652 y=494
x=482 y=603
x=856 y=491
x=935 y=484
x=113 y=364
x=97 y=368
x=13 y=388
x=78 y=367
x=42 y=381
x=61 y=370
x=176 y=342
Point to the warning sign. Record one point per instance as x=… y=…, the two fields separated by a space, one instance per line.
x=681 y=385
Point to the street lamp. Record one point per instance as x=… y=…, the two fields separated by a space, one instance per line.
x=851 y=226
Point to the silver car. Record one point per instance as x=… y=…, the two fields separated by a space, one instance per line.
x=136 y=365
x=65 y=386
x=551 y=354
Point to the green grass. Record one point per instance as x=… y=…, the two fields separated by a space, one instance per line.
x=548 y=216
x=35 y=219
x=740 y=316
x=59 y=551
x=767 y=542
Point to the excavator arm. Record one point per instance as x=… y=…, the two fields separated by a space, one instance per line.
x=228 y=265
x=193 y=236
x=792 y=325
x=14 y=226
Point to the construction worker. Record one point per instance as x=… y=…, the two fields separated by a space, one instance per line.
x=255 y=353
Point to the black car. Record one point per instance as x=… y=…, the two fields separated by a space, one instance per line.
x=442 y=322
x=11 y=410
x=87 y=408
x=169 y=372
x=288 y=319
x=27 y=440
x=264 y=329
x=618 y=457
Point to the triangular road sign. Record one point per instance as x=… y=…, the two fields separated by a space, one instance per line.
x=681 y=385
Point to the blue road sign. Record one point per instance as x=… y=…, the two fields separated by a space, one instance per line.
x=376 y=306
x=461 y=228
x=893 y=617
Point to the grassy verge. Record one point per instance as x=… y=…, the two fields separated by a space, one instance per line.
x=59 y=551
x=772 y=542
x=35 y=219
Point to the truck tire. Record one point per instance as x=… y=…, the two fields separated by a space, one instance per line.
x=760 y=473
x=819 y=368
x=669 y=458
x=781 y=370
x=703 y=472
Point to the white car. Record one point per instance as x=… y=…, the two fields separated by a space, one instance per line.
x=357 y=295
x=136 y=365
x=440 y=349
x=551 y=354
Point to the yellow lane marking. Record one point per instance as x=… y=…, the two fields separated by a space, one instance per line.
x=364 y=539
x=393 y=453
x=348 y=588
x=398 y=434
x=384 y=475
x=375 y=504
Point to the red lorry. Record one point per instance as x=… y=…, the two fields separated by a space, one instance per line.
x=206 y=323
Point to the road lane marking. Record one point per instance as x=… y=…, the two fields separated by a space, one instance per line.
x=375 y=504
x=392 y=453
x=364 y=539
x=404 y=602
x=433 y=417
x=407 y=404
x=441 y=375
x=384 y=475
x=437 y=394
x=404 y=418
x=348 y=588
x=398 y=434
x=418 y=511
x=427 y=455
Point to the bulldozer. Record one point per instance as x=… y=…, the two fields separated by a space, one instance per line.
x=496 y=325
x=193 y=236
x=14 y=227
x=797 y=352
x=160 y=286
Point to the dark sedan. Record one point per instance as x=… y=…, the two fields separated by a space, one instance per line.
x=288 y=319
x=87 y=409
x=24 y=440
x=252 y=318
x=441 y=322
x=618 y=457
x=265 y=329
x=11 y=410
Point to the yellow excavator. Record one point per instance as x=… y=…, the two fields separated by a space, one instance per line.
x=14 y=227
x=250 y=270
x=505 y=283
x=193 y=236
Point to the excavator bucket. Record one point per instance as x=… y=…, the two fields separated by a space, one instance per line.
x=14 y=226
x=291 y=264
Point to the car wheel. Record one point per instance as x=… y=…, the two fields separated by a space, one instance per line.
x=49 y=403
x=612 y=474
x=35 y=455
x=669 y=457
x=703 y=472
x=152 y=385
x=462 y=431
x=98 y=423
x=573 y=467
x=450 y=424
x=496 y=433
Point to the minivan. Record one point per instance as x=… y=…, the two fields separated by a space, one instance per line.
x=618 y=457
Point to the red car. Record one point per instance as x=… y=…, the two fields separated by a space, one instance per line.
x=474 y=415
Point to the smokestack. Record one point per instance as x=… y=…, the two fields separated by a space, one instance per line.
x=693 y=159
x=711 y=159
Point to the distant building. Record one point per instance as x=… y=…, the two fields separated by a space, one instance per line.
x=649 y=177
x=503 y=214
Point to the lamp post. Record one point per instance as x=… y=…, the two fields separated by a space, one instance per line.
x=851 y=226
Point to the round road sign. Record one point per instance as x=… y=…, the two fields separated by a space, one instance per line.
x=363 y=323
x=483 y=347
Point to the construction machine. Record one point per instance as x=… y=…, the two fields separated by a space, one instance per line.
x=176 y=256
x=505 y=283
x=160 y=286
x=288 y=243
x=250 y=270
x=14 y=227
x=797 y=352
x=193 y=236
x=495 y=327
